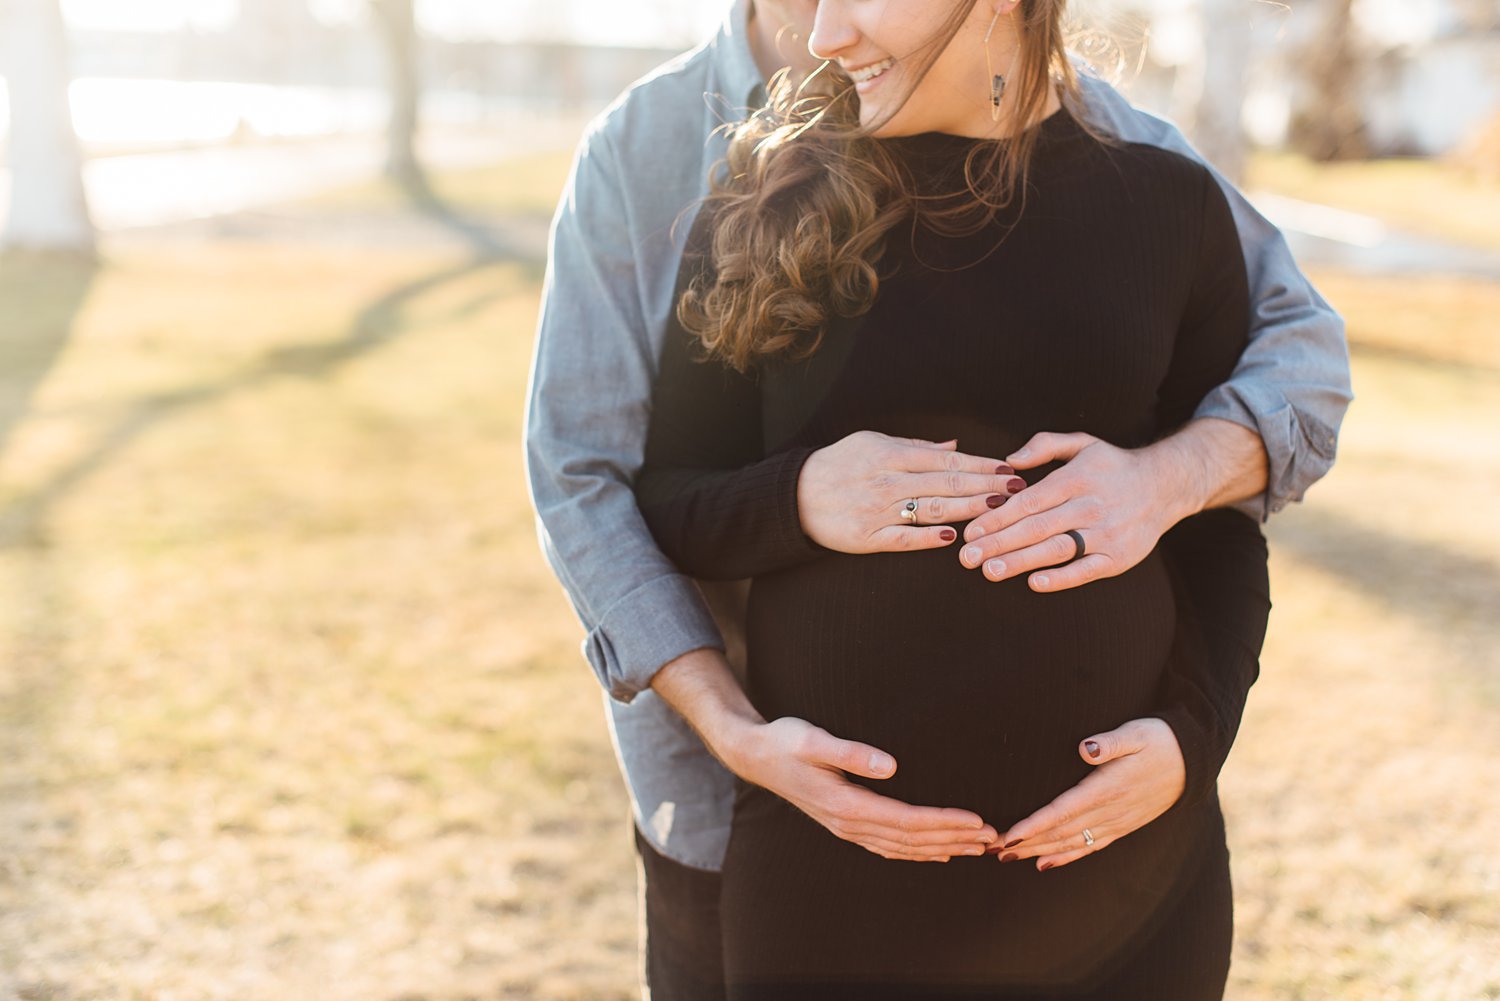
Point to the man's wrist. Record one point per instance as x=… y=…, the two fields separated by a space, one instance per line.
x=702 y=688
x=1210 y=462
x=1180 y=475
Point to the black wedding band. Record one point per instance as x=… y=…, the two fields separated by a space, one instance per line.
x=1077 y=538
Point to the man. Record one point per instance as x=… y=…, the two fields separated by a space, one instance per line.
x=1259 y=440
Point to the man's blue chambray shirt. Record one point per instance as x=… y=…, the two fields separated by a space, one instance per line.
x=614 y=252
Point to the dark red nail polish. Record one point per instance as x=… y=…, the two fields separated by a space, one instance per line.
x=1044 y=867
x=948 y=535
x=1016 y=485
x=1004 y=470
x=1012 y=844
x=995 y=500
x=1009 y=857
x=1092 y=747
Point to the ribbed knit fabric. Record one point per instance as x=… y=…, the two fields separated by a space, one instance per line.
x=1112 y=304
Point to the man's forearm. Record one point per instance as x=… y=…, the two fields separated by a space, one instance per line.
x=703 y=690
x=1209 y=463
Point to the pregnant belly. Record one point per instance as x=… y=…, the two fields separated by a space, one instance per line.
x=982 y=691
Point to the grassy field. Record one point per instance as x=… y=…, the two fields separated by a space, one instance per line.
x=1422 y=196
x=293 y=709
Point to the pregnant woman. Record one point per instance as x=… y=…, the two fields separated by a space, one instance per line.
x=942 y=248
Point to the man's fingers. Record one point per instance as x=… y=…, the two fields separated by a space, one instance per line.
x=1093 y=566
x=865 y=806
x=1002 y=559
x=946 y=849
x=1049 y=446
x=851 y=756
x=1028 y=505
x=966 y=837
x=897 y=856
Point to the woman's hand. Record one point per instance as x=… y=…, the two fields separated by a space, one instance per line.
x=851 y=494
x=1139 y=774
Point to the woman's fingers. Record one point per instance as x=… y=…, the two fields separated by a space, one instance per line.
x=915 y=458
x=908 y=540
x=926 y=485
x=1057 y=861
x=932 y=509
x=1103 y=827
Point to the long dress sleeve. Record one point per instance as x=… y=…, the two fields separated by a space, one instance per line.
x=1217 y=562
x=716 y=504
x=1217 y=559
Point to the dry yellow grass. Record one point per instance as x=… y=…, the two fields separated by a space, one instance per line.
x=292 y=708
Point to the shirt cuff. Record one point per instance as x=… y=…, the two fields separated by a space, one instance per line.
x=651 y=626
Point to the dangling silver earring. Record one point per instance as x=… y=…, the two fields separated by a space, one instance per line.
x=997 y=82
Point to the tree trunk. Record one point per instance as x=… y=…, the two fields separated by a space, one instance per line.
x=1217 y=129
x=397 y=23
x=47 y=205
x=1330 y=125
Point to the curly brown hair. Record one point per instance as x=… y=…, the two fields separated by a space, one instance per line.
x=799 y=210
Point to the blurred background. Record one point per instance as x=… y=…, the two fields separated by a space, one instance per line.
x=291 y=707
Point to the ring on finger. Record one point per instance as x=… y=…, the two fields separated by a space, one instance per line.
x=1088 y=838
x=909 y=511
x=1078 y=546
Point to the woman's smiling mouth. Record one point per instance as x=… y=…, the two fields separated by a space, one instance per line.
x=866 y=76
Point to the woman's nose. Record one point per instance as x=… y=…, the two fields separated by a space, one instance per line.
x=832 y=31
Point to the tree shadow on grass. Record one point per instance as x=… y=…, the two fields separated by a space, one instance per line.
x=41 y=294
x=1455 y=595
x=377 y=324
x=39 y=305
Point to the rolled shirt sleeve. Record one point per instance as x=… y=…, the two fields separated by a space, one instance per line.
x=587 y=409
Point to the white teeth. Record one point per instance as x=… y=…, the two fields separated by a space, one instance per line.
x=868 y=72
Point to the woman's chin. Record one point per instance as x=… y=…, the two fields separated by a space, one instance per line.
x=897 y=126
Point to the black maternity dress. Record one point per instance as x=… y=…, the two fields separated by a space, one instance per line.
x=1114 y=303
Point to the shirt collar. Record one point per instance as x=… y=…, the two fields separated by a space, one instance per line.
x=739 y=78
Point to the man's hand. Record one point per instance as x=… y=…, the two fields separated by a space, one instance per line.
x=851 y=493
x=808 y=767
x=1139 y=775
x=1121 y=501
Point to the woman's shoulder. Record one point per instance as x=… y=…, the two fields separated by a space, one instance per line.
x=1165 y=166
x=1162 y=183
